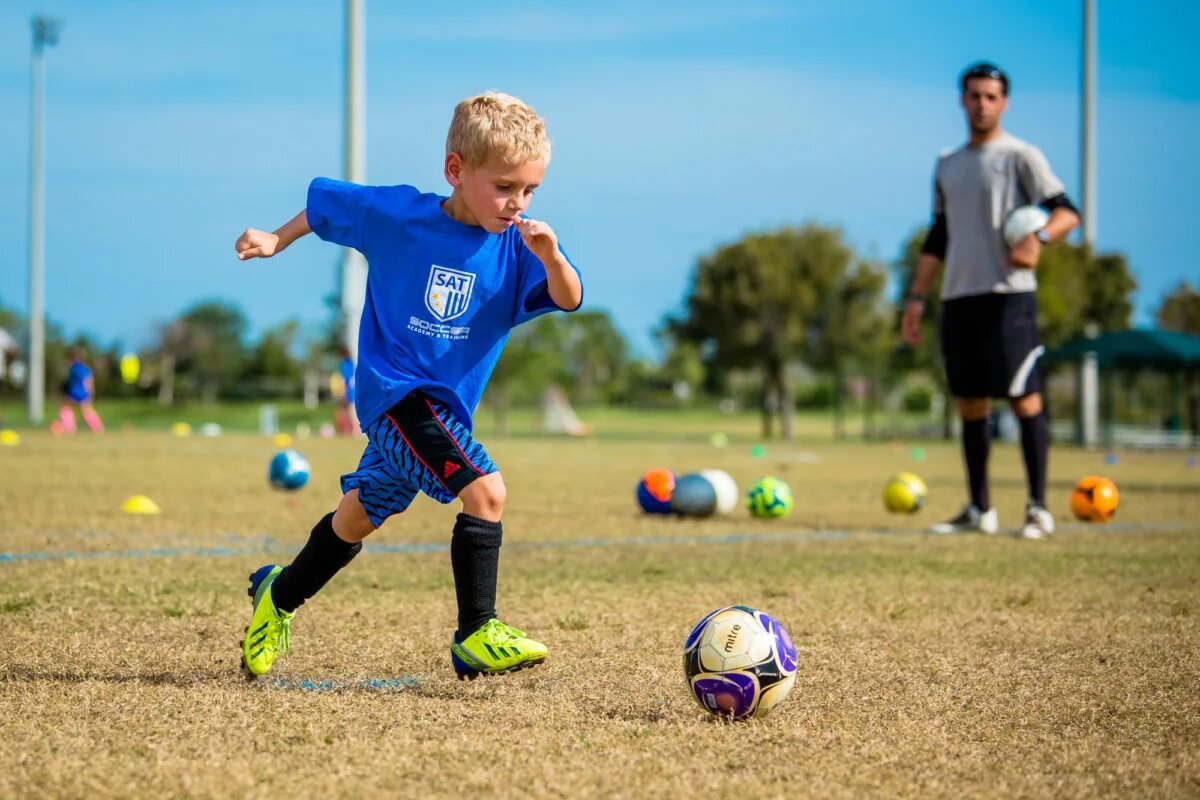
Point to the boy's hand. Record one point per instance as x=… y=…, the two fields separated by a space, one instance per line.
x=256 y=244
x=539 y=238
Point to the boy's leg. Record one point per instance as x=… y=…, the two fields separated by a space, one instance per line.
x=370 y=495
x=424 y=440
x=475 y=551
x=334 y=542
x=66 y=418
x=94 y=423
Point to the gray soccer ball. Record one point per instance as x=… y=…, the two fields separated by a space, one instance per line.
x=694 y=496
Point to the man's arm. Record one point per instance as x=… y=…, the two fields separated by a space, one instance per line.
x=260 y=244
x=928 y=267
x=1063 y=219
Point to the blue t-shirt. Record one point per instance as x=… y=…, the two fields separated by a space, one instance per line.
x=346 y=368
x=441 y=296
x=77 y=374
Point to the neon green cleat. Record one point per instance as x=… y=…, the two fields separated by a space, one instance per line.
x=268 y=634
x=494 y=649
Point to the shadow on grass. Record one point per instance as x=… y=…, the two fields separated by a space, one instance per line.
x=224 y=678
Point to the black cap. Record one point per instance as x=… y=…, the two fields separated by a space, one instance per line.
x=983 y=69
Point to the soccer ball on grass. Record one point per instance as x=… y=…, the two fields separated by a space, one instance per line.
x=739 y=662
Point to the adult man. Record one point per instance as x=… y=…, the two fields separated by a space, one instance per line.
x=989 y=311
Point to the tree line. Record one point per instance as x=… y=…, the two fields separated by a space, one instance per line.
x=758 y=312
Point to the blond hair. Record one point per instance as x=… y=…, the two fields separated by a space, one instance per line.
x=498 y=124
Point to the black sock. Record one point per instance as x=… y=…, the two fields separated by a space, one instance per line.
x=1035 y=444
x=475 y=558
x=318 y=561
x=977 y=440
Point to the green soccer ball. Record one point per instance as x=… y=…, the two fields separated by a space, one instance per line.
x=769 y=497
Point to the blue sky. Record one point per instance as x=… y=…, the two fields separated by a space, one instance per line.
x=677 y=127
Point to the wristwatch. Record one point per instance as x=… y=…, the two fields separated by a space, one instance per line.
x=913 y=297
x=1042 y=236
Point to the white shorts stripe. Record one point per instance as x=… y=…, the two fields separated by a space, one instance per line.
x=1017 y=387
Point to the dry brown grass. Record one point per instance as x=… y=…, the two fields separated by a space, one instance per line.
x=966 y=667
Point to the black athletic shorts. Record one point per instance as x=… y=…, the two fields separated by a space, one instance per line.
x=990 y=343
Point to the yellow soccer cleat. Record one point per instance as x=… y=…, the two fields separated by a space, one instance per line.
x=268 y=635
x=494 y=649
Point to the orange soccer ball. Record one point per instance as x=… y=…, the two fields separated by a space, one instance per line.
x=1095 y=499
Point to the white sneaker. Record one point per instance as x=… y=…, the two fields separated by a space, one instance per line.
x=968 y=520
x=1039 y=523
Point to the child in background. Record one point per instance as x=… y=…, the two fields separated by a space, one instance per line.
x=78 y=390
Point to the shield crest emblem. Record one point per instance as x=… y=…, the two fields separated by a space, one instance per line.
x=448 y=292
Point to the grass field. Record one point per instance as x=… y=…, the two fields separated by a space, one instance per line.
x=929 y=666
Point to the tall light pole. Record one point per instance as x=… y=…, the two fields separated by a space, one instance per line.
x=1088 y=122
x=1089 y=371
x=354 y=266
x=45 y=33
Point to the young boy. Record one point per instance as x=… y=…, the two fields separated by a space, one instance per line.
x=449 y=277
x=79 y=389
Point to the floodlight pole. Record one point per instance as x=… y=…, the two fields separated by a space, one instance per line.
x=1089 y=370
x=45 y=32
x=354 y=266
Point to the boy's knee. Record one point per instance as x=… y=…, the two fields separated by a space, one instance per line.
x=485 y=497
x=350 y=521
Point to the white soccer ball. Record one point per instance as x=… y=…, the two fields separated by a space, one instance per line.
x=725 y=487
x=1022 y=222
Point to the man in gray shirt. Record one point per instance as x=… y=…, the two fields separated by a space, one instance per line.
x=989 y=333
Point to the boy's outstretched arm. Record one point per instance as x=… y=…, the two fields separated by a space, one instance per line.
x=562 y=282
x=260 y=244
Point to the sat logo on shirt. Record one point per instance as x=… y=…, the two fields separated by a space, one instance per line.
x=448 y=293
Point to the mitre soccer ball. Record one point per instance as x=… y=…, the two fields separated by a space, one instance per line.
x=739 y=663
x=1095 y=499
x=769 y=497
x=288 y=470
x=904 y=494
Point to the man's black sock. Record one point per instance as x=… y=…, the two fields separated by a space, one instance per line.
x=321 y=558
x=1035 y=444
x=977 y=440
x=475 y=559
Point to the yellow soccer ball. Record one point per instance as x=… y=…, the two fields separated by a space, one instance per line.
x=904 y=494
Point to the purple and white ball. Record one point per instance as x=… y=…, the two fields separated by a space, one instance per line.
x=739 y=662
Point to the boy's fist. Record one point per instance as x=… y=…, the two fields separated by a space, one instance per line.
x=256 y=244
x=539 y=238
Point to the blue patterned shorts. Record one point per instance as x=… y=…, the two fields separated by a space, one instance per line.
x=418 y=445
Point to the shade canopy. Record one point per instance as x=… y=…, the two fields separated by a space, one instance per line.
x=1133 y=349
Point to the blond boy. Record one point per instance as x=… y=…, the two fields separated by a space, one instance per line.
x=449 y=278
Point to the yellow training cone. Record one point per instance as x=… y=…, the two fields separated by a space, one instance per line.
x=140 y=504
x=9 y=437
x=181 y=429
x=282 y=440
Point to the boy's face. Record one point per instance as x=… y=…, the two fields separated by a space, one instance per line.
x=494 y=193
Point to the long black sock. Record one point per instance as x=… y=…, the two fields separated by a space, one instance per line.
x=475 y=558
x=320 y=559
x=977 y=440
x=1035 y=444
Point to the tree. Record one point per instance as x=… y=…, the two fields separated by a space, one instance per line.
x=271 y=362
x=1077 y=287
x=765 y=302
x=1180 y=310
x=215 y=332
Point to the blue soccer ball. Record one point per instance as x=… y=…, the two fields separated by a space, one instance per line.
x=739 y=662
x=289 y=470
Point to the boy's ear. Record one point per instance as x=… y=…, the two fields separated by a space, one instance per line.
x=453 y=169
